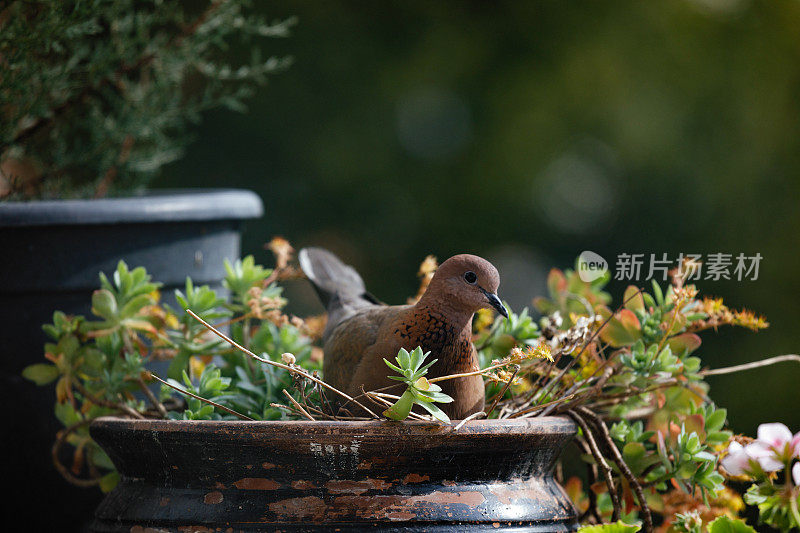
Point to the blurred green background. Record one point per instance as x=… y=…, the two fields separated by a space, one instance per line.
x=528 y=132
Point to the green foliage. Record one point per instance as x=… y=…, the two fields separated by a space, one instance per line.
x=242 y=275
x=692 y=523
x=772 y=505
x=569 y=294
x=505 y=333
x=104 y=92
x=647 y=347
x=725 y=524
x=419 y=390
x=102 y=367
x=211 y=385
x=618 y=527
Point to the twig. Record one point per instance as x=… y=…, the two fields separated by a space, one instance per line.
x=61 y=437
x=520 y=414
x=623 y=466
x=275 y=363
x=502 y=392
x=383 y=402
x=473 y=416
x=591 y=476
x=468 y=374
x=750 y=366
x=598 y=456
x=298 y=406
x=152 y=397
x=586 y=343
x=128 y=410
x=364 y=393
x=215 y=404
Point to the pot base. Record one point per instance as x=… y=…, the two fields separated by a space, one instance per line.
x=342 y=476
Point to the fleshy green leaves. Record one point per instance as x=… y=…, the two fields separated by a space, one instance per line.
x=41 y=373
x=121 y=304
x=419 y=390
x=242 y=275
x=101 y=367
x=618 y=527
x=724 y=524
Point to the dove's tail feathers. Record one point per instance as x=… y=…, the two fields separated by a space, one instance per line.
x=335 y=283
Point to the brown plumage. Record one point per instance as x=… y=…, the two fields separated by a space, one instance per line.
x=361 y=331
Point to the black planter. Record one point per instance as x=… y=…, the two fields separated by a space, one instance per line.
x=490 y=475
x=52 y=252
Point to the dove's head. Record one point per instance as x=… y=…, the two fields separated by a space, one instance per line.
x=468 y=282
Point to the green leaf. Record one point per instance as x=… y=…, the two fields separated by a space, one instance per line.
x=104 y=304
x=432 y=396
x=109 y=481
x=435 y=411
x=657 y=293
x=401 y=408
x=716 y=420
x=633 y=298
x=416 y=358
x=404 y=359
x=41 y=373
x=619 y=527
x=393 y=367
x=724 y=524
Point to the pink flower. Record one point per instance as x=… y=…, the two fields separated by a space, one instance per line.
x=737 y=462
x=770 y=452
x=796 y=473
x=764 y=455
x=777 y=438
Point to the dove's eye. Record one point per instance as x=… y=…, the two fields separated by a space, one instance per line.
x=470 y=277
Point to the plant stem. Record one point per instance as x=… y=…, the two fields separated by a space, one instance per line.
x=298 y=406
x=473 y=416
x=152 y=397
x=502 y=392
x=623 y=466
x=293 y=369
x=598 y=456
x=61 y=437
x=215 y=404
x=750 y=366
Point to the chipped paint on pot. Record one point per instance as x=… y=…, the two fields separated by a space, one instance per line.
x=346 y=476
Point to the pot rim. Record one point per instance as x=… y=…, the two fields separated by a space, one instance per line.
x=510 y=426
x=164 y=205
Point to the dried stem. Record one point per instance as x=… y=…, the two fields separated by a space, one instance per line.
x=468 y=374
x=61 y=438
x=126 y=409
x=293 y=369
x=591 y=476
x=473 y=416
x=750 y=366
x=502 y=392
x=525 y=412
x=152 y=397
x=598 y=456
x=623 y=466
x=298 y=406
x=206 y=400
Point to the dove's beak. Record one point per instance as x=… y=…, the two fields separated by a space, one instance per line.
x=495 y=302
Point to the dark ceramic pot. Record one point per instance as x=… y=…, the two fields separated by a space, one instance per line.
x=492 y=475
x=52 y=252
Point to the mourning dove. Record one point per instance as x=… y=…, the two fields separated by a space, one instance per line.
x=361 y=331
